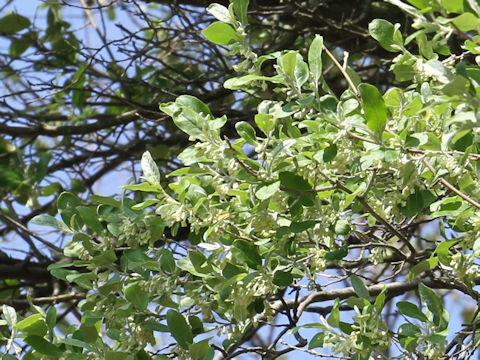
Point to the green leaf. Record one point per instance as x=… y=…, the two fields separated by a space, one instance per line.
x=417 y=201
x=13 y=23
x=359 y=287
x=243 y=82
x=47 y=220
x=282 y=278
x=247 y=132
x=105 y=200
x=301 y=72
x=383 y=31
x=137 y=296
x=19 y=46
x=443 y=251
x=409 y=330
x=221 y=34
x=146 y=186
x=342 y=227
x=453 y=6
x=317 y=341
x=421 y=267
x=189 y=114
x=90 y=217
x=220 y=12
x=300 y=226
x=240 y=8
x=43 y=346
x=247 y=252
x=196 y=324
x=315 y=59
x=179 y=328
x=10 y=315
x=150 y=168
x=199 y=350
x=466 y=21
x=105 y=258
x=433 y=302
x=288 y=62
x=337 y=254
x=51 y=319
x=411 y=310
x=265 y=123
x=167 y=261
x=67 y=204
x=267 y=191
x=293 y=181
x=334 y=317
x=33 y=325
x=117 y=355
x=374 y=107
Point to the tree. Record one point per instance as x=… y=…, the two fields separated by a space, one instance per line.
x=287 y=203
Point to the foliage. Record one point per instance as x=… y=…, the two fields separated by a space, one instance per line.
x=365 y=201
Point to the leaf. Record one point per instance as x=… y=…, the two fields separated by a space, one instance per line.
x=90 y=217
x=145 y=186
x=247 y=252
x=47 y=220
x=19 y=46
x=221 y=34
x=189 y=114
x=293 y=181
x=342 y=227
x=267 y=191
x=466 y=21
x=288 y=62
x=244 y=81
x=359 y=287
x=383 y=31
x=179 y=328
x=317 y=341
x=247 y=132
x=334 y=317
x=33 y=325
x=200 y=349
x=282 y=278
x=67 y=204
x=167 y=261
x=453 y=6
x=265 y=123
x=240 y=8
x=301 y=72
x=137 y=296
x=43 y=346
x=105 y=258
x=337 y=254
x=411 y=310
x=196 y=324
x=105 y=200
x=409 y=330
x=374 y=107
x=13 y=23
x=443 y=251
x=417 y=201
x=220 y=12
x=10 y=315
x=422 y=266
x=150 y=168
x=300 y=226
x=315 y=59
x=433 y=302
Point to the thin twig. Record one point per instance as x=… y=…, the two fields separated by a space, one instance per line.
x=450 y=186
x=343 y=71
